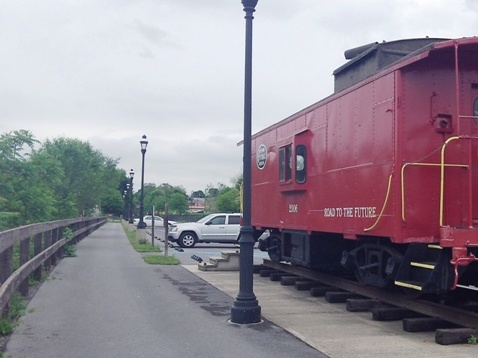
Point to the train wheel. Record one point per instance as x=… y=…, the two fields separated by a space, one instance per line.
x=376 y=265
x=274 y=248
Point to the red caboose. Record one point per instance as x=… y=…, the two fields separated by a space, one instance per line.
x=381 y=176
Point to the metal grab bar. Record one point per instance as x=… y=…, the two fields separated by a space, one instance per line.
x=442 y=175
x=420 y=164
x=384 y=205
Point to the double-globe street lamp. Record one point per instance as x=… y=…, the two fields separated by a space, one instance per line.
x=245 y=309
x=141 y=229
x=131 y=219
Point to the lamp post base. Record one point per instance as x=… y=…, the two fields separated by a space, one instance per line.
x=245 y=309
x=141 y=234
x=246 y=312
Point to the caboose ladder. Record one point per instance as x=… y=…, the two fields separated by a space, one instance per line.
x=422 y=269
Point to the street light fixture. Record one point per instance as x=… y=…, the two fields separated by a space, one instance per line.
x=141 y=233
x=245 y=309
x=131 y=175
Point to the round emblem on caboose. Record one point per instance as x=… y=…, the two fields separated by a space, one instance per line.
x=261 y=156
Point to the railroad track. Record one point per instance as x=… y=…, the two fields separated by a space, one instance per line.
x=465 y=322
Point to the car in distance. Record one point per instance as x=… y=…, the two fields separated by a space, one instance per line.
x=158 y=221
x=220 y=228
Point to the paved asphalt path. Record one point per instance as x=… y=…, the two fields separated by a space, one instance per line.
x=107 y=302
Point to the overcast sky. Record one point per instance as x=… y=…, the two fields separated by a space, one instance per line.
x=109 y=71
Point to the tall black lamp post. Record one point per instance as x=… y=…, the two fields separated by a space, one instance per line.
x=125 y=210
x=245 y=308
x=141 y=233
x=131 y=175
x=126 y=203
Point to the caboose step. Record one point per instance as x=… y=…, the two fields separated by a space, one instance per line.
x=425 y=265
x=414 y=285
x=422 y=268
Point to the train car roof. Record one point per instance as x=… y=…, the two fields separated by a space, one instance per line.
x=404 y=60
x=367 y=60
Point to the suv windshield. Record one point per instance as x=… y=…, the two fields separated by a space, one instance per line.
x=206 y=218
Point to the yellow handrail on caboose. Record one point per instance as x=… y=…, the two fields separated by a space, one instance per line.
x=442 y=175
x=383 y=206
x=442 y=166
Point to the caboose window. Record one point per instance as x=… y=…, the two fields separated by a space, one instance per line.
x=475 y=108
x=285 y=163
x=300 y=161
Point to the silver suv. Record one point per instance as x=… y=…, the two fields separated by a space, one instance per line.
x=222 y=228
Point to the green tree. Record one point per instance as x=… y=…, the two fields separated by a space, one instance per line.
x=198 y=194
x=88 y=174
x=112 y=203
x=25 y=181
x=228 y=200
x=174 y=196
x=64 y=178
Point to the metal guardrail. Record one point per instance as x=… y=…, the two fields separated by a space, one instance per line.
x=39 y=245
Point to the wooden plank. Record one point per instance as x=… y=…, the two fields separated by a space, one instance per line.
x=291 y=280
x=363 y=304
x=322 y=290
x=393 y=314
x=266 y=272
x=24 y=257
x=276 y=276
x=425 y=324
x=306 y=285
x=455 y=336
x=339 y=297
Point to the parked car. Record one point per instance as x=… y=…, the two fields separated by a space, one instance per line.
x=158 y=221
x=222 y=228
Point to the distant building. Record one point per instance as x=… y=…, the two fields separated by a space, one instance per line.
x=196 y=205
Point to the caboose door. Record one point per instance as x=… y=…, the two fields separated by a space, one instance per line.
x=294 y=170
x=472 y=106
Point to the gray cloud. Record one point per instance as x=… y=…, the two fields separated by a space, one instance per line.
x=111 y=71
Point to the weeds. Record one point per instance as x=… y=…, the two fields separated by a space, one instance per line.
x=143 y=246
x=161 y=260
x=473 y=340
x=16 y=310
x=69 y=250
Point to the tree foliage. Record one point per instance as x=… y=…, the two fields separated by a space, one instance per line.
x=87 y=175
x=64 y=178
x=228 y=200
x=159 y=196
x=221 y=198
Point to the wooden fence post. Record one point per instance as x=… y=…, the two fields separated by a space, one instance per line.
x=47 y=244
x=6 y=264
x=24 y=257
x=37 y=248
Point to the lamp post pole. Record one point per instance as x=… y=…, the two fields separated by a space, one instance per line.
x=126 y=203
x=131 y=219
x=125 y=210
x=141 y=232
x=245 y=308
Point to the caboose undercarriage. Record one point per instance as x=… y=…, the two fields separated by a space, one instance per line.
x=423 y=269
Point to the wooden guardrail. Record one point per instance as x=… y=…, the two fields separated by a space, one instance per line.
x=40 y=245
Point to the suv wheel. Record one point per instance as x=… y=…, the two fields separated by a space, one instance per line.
x=187 y=239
